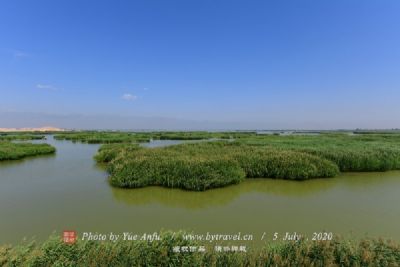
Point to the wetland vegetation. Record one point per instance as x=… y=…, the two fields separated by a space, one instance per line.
x=353 y=202
x=20 y=137
x=101 y=137
x=367 y=152
x=11 y=148
x=95 y=137
x=340 y=252
x=13 y=151
x=202 y=166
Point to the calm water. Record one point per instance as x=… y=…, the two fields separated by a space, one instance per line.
x=68 y=191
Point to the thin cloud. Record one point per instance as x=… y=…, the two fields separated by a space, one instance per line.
x=20 y=54
x=46 y=87
x=129 y=97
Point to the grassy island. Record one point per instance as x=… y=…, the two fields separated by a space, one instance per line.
x=208 y=165
x=13 y=151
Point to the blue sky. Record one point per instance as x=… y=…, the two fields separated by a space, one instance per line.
x=260 y=64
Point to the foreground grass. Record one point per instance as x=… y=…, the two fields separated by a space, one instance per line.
x=160 y=253
x=13 y=151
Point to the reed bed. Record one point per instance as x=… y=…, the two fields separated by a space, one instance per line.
x=295 y=157
x=373 y=152
x=246 y=155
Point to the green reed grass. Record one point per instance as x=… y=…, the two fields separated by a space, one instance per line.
x=372 y=152
x=108 y=152
x=339 y=252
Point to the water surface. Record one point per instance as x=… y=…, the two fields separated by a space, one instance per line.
x=69 y=191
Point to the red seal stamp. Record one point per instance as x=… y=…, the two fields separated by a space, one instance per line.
x=69 y=237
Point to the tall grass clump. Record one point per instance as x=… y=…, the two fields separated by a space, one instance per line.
x=361 y=159
x=340 y=252
x=292 y=165
x=176 y=172
x=367 y=152
x=108 y=152
x=13 y=151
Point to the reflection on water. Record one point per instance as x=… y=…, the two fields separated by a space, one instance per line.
x=196 y=200
x=69 y=191
x=215 y=197
x=18 y=162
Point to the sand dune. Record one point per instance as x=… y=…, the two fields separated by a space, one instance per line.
x=41 y=129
